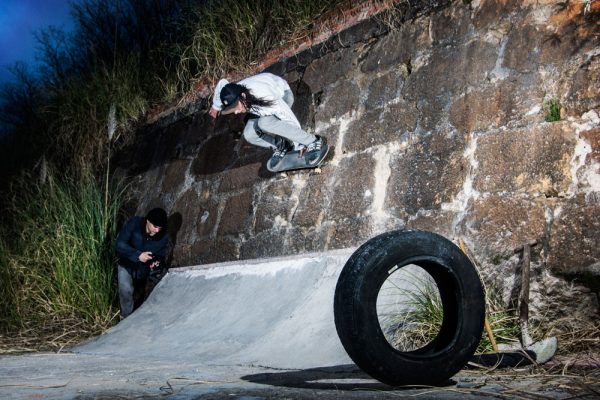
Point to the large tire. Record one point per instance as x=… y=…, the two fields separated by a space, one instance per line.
x=461 y=295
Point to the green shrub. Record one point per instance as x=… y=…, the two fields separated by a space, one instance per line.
x=552 y=110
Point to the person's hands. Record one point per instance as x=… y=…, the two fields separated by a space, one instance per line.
x=213 y=112
x=145 y=256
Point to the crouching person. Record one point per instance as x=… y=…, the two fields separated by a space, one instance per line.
x=141 y=249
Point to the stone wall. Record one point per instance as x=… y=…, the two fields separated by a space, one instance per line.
x=436 y=123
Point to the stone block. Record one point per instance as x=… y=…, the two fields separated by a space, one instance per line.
x=263 y=244
x=349 y=232
x=584 y=90
x=307 y=239
x=497 y=224
x=593 y=137
x=350 y=198
x=198 y=214
x=398 y=47
x=339 y=99
x=574 y=246
x=440 y=222
x=448 y=70
x=498 y=105
x=381 y=126
x=237 y=214
x=183 y=256
x=304 y=105
x=220 y=249
x=241 y=177
x=450 y=25
x=385 y=88
x=488 y=13
x=174 y=176
x=522 y=51
x=215 y=155
x=569 y=31
x=428 y=173
x=312 y=200
x=329 y=69
x=533 y=161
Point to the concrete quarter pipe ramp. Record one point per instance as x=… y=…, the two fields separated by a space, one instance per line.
x=276 y=313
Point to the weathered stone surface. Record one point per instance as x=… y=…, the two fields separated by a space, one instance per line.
x=498 y=224
x=441 y=223
x=337 y=100
x=533 y=161
x=329 y=70
x=448 y=70
x=210 y=251
x=385 y=89
x=304 y=105
x=175 y=176
x=310 y=198
x=451 y=25
x=237 y=214
x=593 y=137
x=584 y=91
x=242 y=177
x=493 y=106
x=572 y=220
x=490 y=12
x=398 y=47
x=187 y=205
x=380 y=126
x=348 y=232
x=271 y=243
x=572 y=32
x=215 y=155
x=522 y=50
x=273 y=207
x=430 y=172
x=350 y=199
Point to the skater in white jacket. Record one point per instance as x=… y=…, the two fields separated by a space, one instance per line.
x=271 y=123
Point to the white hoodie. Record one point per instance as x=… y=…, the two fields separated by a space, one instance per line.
x=264 y=86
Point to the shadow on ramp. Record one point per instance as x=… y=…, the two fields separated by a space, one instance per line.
x=339 y=377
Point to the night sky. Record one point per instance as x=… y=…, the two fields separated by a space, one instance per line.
x=19 y=19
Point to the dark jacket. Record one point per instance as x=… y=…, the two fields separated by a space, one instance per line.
x=133 y=241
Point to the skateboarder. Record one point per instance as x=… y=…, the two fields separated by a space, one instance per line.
x=270 y=123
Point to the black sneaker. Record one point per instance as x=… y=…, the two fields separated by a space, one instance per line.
x=277 y=156
x=313 y=150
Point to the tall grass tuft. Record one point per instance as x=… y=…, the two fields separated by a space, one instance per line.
x=57 y=264
x=418 y=315
x=410 y=309
x=230 y=35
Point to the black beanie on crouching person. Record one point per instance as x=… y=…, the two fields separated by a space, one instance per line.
x=157 y=217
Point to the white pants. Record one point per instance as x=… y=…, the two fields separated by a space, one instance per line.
x=271 y=132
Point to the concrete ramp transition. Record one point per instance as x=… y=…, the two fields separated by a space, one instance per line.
x=273 y=312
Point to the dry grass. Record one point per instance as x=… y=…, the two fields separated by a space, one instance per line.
x=54 y=336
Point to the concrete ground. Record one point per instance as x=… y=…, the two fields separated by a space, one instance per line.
x=260 y=329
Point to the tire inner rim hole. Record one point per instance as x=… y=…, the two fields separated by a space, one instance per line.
x=409 y=308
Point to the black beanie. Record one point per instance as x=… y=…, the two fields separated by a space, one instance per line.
x=157 y=217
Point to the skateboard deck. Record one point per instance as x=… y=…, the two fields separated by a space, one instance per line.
x=296 y=160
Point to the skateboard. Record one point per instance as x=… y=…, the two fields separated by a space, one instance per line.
x=295 y=160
